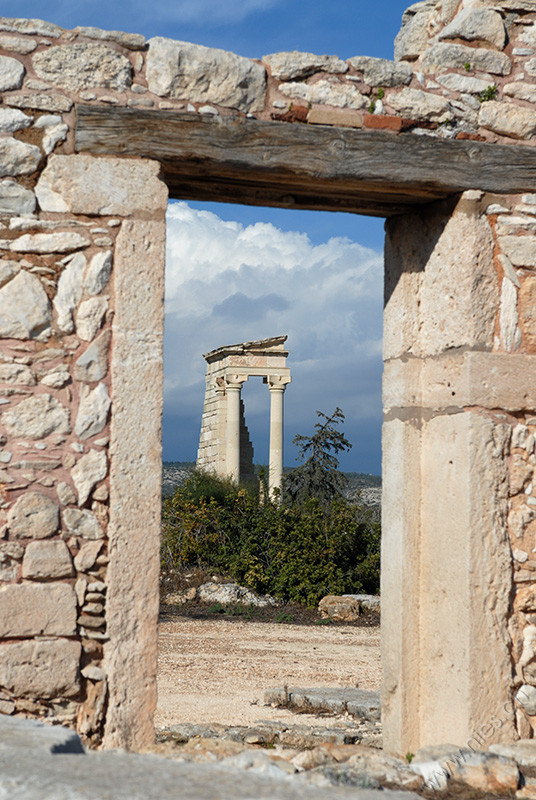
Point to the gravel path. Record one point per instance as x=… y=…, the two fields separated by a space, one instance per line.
x=217 y=670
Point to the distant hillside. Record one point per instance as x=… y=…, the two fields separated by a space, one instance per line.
x=174 y=473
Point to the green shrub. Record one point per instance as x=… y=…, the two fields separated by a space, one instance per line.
x=297 y=552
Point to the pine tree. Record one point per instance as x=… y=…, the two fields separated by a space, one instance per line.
x=319 y=476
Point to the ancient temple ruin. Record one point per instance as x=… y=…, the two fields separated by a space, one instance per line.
x=224 y=444
x=98 y=129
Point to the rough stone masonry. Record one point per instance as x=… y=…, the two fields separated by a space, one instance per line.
x=81 y=313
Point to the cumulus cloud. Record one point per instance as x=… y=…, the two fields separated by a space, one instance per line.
x=227 y=282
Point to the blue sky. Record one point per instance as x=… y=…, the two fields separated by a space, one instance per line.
x=238 y=273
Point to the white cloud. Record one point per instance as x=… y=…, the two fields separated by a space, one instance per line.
x=226 y=283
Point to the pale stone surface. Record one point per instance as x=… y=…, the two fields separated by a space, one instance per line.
x=527 y=311
x=47 y=560
x=41 y=669
x=31 y=609
x=81 y=522
x=443 y=56
x=135 y=482
x=412 y=38
x=521 y=250
x=508 y=319
x=463 y=83
x=477 y=24
x=288 y=66
x=416 y=104
x=333 y=93
x=381 y=71
x=41 y=102
x=18 y=158
x=204 y=75
x=522 y=751
x=17 y=374
x=65 y=494
x=132 y=41
x=37 y=417
x=92 y=411
x=69 y=292
x=87 y=555
x=31 y=26
x=83 y=66
x=11 y=73
x=485 y=772
x=54 y=135
x=95 y=185
x=8 y=269
x=507 y=119
x=11 y=119
x=57 y=377
x=93 y=363
x=98 y=272
x=89 y=470
x=526 y=697
x=33 y=516
x=341 y=609
x=15 y=199
x=64 y=242
x=90 y=316
x=521 y=90
x=17 y=44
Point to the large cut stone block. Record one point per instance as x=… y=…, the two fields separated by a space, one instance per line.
x=37 y=417
x=47 y=560
x=33 y=516
x=83 y=66
x=25 y=310
x=204 y=75
x=34 y=609
x=92 y=185
x=40 y=669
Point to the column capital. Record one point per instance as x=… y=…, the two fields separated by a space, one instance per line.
x=277 y=382
x=234 y=381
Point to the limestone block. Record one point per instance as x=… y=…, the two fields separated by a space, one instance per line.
x=47 y=560
x=83 y=66
x=33 y=516
x=443 y=56
x=11 y=73
x=31 y=26
x=462 y=83
x=89 y=470
x=12 y=119
x=80 y=522
x=416 y=104
x=87 y=555
x=204 y=75
x=66 y=495
x=42 y=669
x=15 y=199
x=40 y=102
x=527 y=312
x=521 y=250
x=92 y=365
x=17 y=44
x=477 y=24
x=521 y=90
x=98 y=272
x=92 y=411
x=441 y=283
x=342 y=609
x=18 y=158
x=37 y=417
x=132 y=41
x=69 y=292
x=325 y=92
x=33 y=609
x=381 y=71
x=64 y=242
x=507 y=119
x=290 y=66
x=412 y=38
x=57 y=377
x=526 y=697
x=17 y=374
x=90 y=316
x=520 y=474
x=53 y=135
x=508 y=318
x=94 y=185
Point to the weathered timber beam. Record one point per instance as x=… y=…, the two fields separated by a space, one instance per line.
x=303 y=166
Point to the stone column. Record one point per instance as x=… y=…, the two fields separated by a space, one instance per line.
x=275 y=470
x=233 y=388
x=446 y=562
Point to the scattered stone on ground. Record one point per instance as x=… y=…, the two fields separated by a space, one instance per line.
x=339 y=609
x=226 y=593
x=358 y=703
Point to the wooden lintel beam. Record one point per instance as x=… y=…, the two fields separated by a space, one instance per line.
x=303 y=166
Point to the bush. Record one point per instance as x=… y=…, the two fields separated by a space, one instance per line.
x=297 y=552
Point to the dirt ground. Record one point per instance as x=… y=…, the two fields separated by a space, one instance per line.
x=216 y=670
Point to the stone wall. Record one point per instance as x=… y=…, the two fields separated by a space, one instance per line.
x=81 y=305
